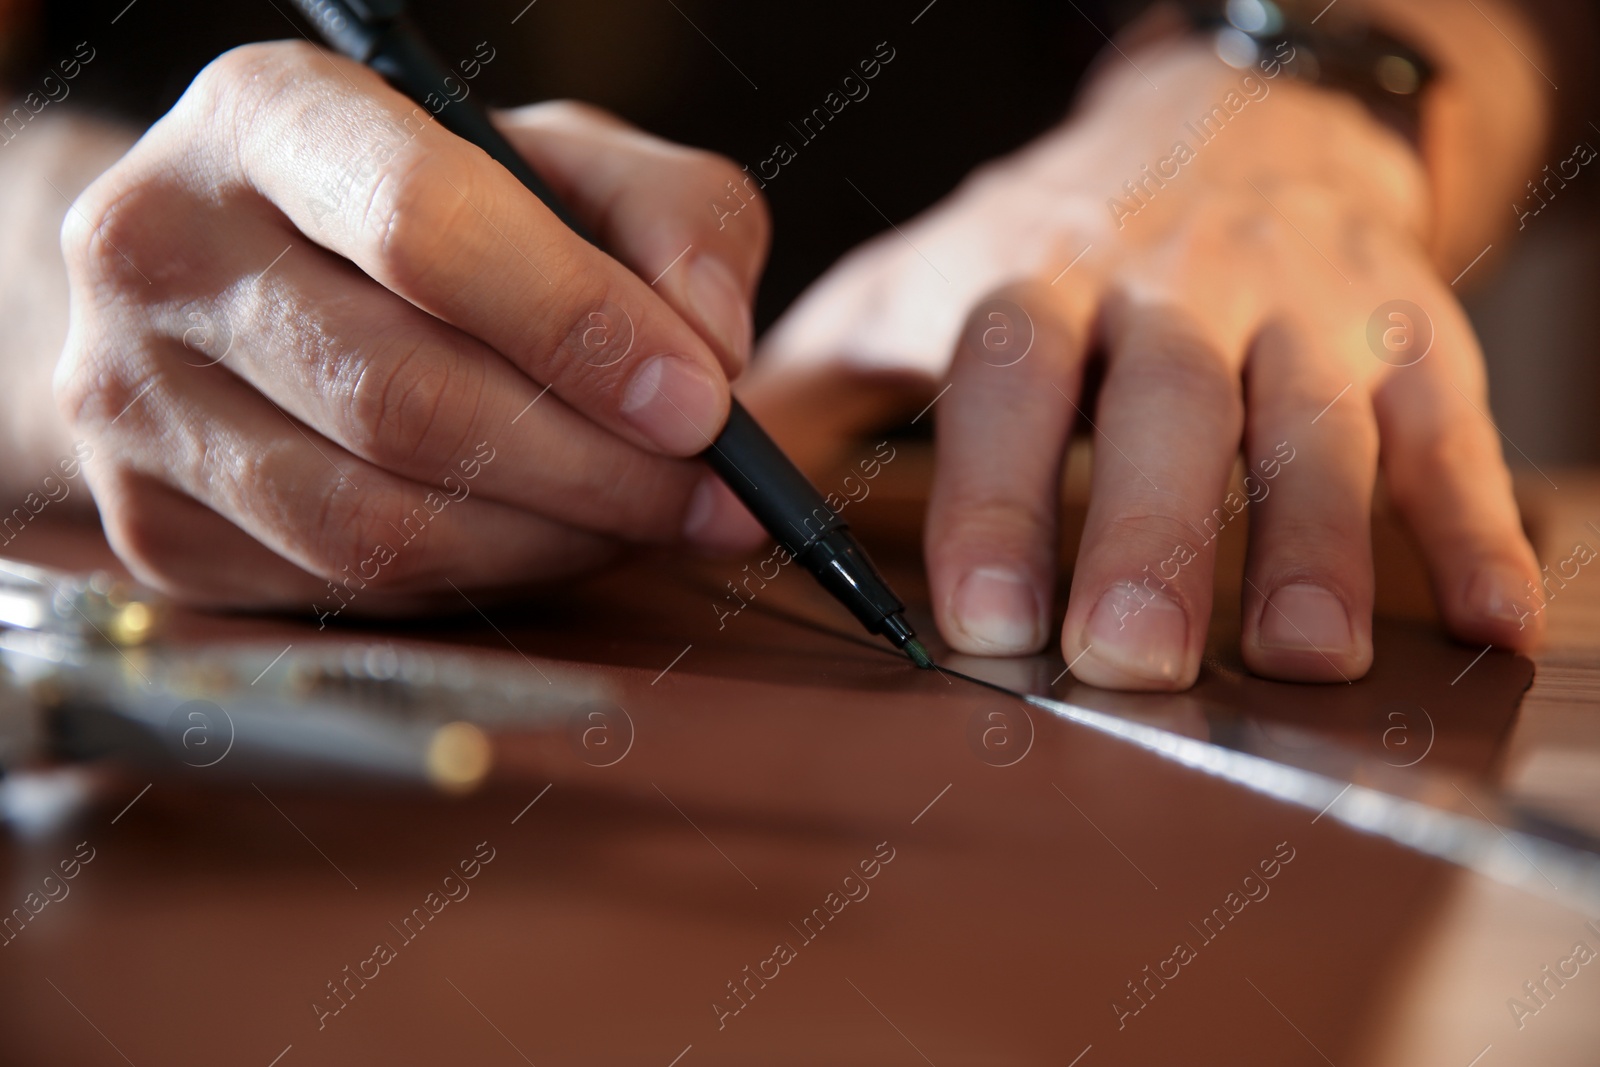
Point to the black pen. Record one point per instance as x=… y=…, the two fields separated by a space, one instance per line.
x=377 y=33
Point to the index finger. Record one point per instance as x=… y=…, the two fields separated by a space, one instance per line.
x=361 y=170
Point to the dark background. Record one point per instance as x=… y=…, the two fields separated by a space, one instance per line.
x=969 y=81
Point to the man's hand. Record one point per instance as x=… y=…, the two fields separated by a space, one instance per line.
x=1268 y=288
x=324 y=349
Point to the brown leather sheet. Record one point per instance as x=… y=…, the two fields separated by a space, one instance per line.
x=805 y=852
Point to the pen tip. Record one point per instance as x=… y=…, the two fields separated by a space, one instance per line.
x=918 y=654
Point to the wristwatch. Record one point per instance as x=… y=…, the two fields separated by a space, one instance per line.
x=1322 y=47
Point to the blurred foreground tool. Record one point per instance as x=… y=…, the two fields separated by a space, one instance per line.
x=84 y=675
x=78 y=607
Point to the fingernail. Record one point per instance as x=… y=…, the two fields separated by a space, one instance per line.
x=702 y=506
x=719 y=300
x=999 y=610
x=1500 y=593
x=1307 y=618
x=1143 y=635
x=675 y=403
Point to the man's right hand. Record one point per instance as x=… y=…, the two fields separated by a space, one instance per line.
x=315 y=338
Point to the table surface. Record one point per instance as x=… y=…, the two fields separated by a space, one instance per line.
x=806 y=851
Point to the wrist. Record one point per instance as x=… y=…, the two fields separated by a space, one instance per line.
x=1478 y=123
x=1172 y=107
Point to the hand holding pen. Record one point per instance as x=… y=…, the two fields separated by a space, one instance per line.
x=443 y=228
x=340 y=359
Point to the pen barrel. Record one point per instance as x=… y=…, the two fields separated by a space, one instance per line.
x=769 y=484
x=399 y=54
x=789 y=507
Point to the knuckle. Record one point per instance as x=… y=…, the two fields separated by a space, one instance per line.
x=1168 y=334
x=110 y=227
x=1143 y=540
x=1325 y=542
x=411 y=220
x=140 y=535
x=80 y=230
x=340 y=531
x=723 y=174
x=983 y=522
x=1181 y=363
x=246 y=78
x=592 y=357
x=76 y=386
x=228 y=107
x=1002 y=329
x=353 y=538
x=92 y=394
x=643 y=497
x=740 y=219
x=220 y=80
x=411 y=404
x=125 y=218
x=1416 y=470
x=138 y=529
x=1355 y=428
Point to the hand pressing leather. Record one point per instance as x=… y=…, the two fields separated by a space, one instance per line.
x=1266 y=291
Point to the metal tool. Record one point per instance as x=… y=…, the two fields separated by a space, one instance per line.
x=84 y=675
